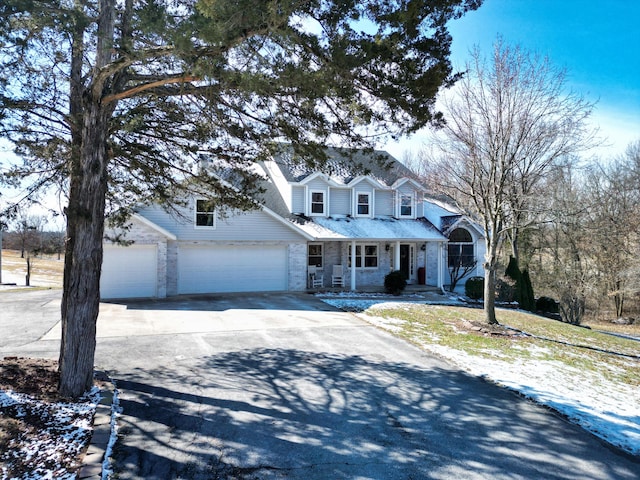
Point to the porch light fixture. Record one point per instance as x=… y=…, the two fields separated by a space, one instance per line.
x=387 y=247
x=423 y=247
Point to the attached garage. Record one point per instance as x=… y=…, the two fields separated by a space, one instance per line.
x=129 y=272
x=232 y=268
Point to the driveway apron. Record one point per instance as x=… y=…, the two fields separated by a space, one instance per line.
x=285 y=387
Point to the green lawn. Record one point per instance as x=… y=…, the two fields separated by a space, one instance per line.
x=534 y=338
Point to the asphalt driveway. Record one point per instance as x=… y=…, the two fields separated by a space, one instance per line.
x=284 y=386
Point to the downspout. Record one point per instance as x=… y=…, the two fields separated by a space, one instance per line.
x=353 y=265
x=440 y=266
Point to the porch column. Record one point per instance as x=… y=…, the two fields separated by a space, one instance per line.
x=440 y=264
x=353 y=265
x=396 y=256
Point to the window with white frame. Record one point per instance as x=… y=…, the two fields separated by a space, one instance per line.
x=363 y=206
x=366 y=256
x=205 y=215
x=314 y=257
x=460 y=249
x=317 y=203
x=406 y=205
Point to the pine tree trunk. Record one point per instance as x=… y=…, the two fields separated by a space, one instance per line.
x=83 y=260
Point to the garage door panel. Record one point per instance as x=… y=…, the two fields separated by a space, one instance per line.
x=129 y=272
x=232 y=269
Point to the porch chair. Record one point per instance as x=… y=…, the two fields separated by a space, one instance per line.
x=337 y=278
x=316 y=277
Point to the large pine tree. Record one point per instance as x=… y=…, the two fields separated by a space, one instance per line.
x=113 y=101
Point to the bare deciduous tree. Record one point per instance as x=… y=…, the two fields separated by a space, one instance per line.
x=507 y=123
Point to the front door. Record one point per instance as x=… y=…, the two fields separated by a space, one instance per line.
x=405 y=261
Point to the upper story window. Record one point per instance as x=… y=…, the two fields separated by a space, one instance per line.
x=205 y=214
x=406 y=205
x=363 y=204
x=317 y=203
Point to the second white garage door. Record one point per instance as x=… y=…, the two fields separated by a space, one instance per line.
x=232 y=269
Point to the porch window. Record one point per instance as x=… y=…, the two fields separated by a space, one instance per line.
x=314 y=257
x=366 y=255
x=460 y=248
x=406 y=205
x=205 y=214
x=317 y=203
x=363 y=204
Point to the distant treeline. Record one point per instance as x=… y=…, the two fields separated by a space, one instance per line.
x=34 y=242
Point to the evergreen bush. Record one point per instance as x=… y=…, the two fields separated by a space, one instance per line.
x=394 y=282
x=547 y=305
x=525 y=293
x=474 y=288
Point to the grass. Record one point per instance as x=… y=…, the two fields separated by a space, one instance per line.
x=46 y=270
x=462 y=329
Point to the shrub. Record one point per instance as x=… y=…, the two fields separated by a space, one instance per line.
x=394 y=282
x=525 y=293
x=506 y=290
x=474 y=288
x=547 y=305
x=513 y=271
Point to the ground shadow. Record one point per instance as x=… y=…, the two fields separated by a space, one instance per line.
x=285 y=413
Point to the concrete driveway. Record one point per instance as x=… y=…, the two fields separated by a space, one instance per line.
x=284 y=386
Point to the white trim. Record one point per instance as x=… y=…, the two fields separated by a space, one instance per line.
x=401 y=181
x=362 y=245
x=412 y=196
x=152 y=225
x=325 y=203
x=467 y=225
x=372 y=181
x=356 y=203
x=213 y=213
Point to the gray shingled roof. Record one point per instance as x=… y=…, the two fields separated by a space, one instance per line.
x=343 y=165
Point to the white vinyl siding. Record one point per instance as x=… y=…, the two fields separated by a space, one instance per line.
x=383 y=202
x=297 y=200
x=232 y=268
x=253 y=225
x=340 y=201
x=129 y=272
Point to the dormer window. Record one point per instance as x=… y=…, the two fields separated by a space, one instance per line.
x=363 y=204
x=205 y=214
x=317 y=203
x=406 y=205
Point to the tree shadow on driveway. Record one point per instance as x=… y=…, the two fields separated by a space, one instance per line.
x=285 y=413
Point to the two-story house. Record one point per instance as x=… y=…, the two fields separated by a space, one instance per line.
x=346 y=228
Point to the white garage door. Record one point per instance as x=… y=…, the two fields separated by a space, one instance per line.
x=232 y=269
x=129 y=272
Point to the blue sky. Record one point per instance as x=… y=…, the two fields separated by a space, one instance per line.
x=597 y=42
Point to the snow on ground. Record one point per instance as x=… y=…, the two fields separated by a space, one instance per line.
x=65 y=429
x=607 y=409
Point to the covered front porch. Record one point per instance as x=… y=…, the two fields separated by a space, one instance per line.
x=363 y=264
